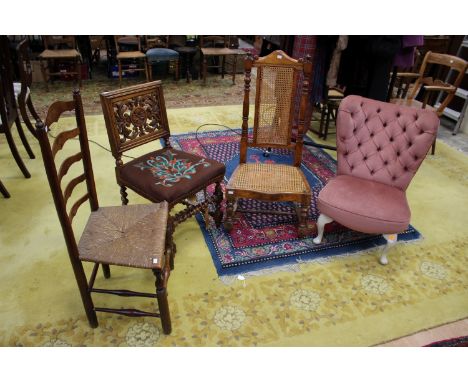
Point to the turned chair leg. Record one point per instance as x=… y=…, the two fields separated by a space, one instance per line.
x=433 y=147
x=123 y=195
x=322 y=220
x=217 y=199
x=302 y=228
x=15 y=153
x=24 y=139
x=45 y=74
x=391 y=241
x=230 y=201
x=106 y=271
x=161 y=292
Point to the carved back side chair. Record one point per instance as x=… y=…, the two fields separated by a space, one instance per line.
x=8 y=108
x=131 y=236
x=59 y=50
x=429 y=85
x=277 y=76
x=136 y=115
x=131 y=53
x=23 y=88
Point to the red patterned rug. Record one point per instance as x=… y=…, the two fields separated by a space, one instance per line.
x=260 y=241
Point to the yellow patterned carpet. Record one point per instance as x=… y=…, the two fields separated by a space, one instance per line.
x=346 y=301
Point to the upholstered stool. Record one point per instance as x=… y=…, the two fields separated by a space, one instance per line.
x=157 y=55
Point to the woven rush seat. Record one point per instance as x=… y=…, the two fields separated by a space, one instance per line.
x=269 y=178
x=132 y=236
x=59 y=53
x=128 y=55
x=169 y=174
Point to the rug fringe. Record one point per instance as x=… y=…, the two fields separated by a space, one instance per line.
x=294 y=268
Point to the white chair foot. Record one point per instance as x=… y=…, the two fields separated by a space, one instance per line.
x=321 y=221
x=391 y=240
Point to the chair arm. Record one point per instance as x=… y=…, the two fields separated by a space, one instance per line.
x=448 y=89
x=407 y=75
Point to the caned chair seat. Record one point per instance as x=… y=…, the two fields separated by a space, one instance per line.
x=17 y=90
x=59 y=54
x=219 y=51
x=268 y=178
x=128 y=55
x=132 y=236
x=169 y=174
x=161 y=55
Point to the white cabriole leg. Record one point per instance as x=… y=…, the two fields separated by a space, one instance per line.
x=391 y=240
x=322 y=220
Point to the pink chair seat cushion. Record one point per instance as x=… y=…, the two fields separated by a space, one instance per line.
x=364 y=205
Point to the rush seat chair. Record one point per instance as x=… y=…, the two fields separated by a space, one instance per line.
x=129 y=236
x=380 y=146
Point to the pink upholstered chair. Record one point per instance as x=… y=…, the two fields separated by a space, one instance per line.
x=380 y=146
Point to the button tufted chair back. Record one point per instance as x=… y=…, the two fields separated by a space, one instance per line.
x=383 y=142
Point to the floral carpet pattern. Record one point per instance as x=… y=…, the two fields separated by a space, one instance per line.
x=344 y=301
x=266 y=240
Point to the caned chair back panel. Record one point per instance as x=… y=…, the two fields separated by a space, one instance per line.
x=134 y=116
x=274 y=105
x=455 y=63
x=24 y=64
x=56 y=172
x=276 y=89
x=53 y=42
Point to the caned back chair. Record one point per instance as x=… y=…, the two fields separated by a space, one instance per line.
x=135 y=116
x=23 y=88
x=59 y=50
x=276 y=86
x=430 y=85
x=131 y=236
x=132 y=53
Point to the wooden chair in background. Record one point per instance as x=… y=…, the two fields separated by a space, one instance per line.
x=135 y=116
x=430 y=85
x=130 y=236
x=59 y=51
x=8 y=107
x=215 y=49
x=277 y=76
x=128 y=49
x=23 y=88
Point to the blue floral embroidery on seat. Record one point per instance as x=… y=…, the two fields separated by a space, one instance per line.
x=169 y=169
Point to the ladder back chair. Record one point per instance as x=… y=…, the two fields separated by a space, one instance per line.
x=430 y=85
x=23 y=88
x=131 y=53
x=59 y=50
x=136 y=115
x=130 y=236
x=277 y=76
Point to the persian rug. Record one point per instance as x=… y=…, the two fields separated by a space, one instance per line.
x=259 y=240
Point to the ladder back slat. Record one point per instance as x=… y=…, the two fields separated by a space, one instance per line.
x=61 y=138
x=71 y=186
x=66 y=164
x=77 y=205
